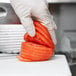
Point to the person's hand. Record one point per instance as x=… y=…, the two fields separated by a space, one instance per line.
x=25 y=9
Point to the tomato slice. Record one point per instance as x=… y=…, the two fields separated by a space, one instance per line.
x=37 y=48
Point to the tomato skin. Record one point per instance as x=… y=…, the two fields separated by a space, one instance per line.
x=37 y=48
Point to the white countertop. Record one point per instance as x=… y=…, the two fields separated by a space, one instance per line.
x=57 y=66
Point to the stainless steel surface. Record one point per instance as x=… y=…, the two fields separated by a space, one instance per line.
x=65 y=18
x=7 y=14
x=61 y=1
x=67 y=1
x=3 y=12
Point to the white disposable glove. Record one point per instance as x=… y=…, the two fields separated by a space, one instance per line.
x=25 y=9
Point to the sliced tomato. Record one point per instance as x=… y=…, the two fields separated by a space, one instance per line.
x=37 y=48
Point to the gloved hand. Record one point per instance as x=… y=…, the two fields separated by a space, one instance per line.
x=25 y=9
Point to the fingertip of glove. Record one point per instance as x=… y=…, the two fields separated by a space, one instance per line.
x=31 y=33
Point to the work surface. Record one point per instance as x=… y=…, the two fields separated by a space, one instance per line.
x=57 y=66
